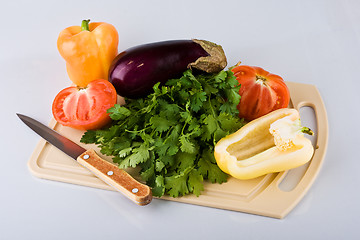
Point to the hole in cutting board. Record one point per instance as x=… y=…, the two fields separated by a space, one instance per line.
x=294 y=176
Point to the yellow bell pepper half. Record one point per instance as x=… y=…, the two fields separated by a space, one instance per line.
x=88 y=50
x=272 y=143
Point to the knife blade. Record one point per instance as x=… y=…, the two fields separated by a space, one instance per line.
x=119 y=179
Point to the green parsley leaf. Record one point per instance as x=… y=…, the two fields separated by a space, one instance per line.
x=160 y=124
x=197 y=100
x=119 y=112
x=186 y=144
x=89 y=137
x=159 y=187
x=139 y=155
x=176 y=185
x=209 y=169
x=211 y=125
x=195 y=182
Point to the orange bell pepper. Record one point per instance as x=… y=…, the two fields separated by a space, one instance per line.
x=88 y=51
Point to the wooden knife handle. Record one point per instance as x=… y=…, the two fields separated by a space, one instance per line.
x=116 y=177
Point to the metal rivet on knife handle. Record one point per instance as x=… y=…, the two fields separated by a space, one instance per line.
x=135 y=190
x=110 y=173
x=86 y=156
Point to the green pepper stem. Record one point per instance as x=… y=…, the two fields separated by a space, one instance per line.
x=85 y=25
x=307 y=131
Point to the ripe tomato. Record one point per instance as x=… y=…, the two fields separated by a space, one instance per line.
x=85 y=108
x=261 y=92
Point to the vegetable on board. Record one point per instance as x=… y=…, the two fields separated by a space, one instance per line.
x=171 y=133
x=135 y=71
x=261 y=92
x=88 y=51
x=85 y=108
x=272 y=143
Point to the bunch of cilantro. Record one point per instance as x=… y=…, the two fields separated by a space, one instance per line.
x=172 y=132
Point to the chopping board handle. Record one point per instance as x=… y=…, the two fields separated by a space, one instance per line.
x=305 y=96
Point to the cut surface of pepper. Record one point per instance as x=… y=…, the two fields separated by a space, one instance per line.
x=88 y=51
x=272 y=143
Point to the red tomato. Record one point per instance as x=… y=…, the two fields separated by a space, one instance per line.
x=85 y=108
x=261 y=92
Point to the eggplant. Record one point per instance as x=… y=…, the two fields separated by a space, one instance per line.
x=136 y=70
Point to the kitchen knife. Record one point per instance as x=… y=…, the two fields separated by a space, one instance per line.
x=109 y=173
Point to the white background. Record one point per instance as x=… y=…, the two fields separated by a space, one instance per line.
x=315 y=42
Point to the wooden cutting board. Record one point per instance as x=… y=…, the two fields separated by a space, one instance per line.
x=261 y=196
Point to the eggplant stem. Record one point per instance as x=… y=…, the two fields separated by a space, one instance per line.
x=215 y=62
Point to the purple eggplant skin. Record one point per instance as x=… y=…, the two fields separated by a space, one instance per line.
x=136 y=70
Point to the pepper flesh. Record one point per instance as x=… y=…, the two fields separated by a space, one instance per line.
x=88 y=51
x=272 y=143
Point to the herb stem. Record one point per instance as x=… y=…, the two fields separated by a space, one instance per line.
x=215 y=117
